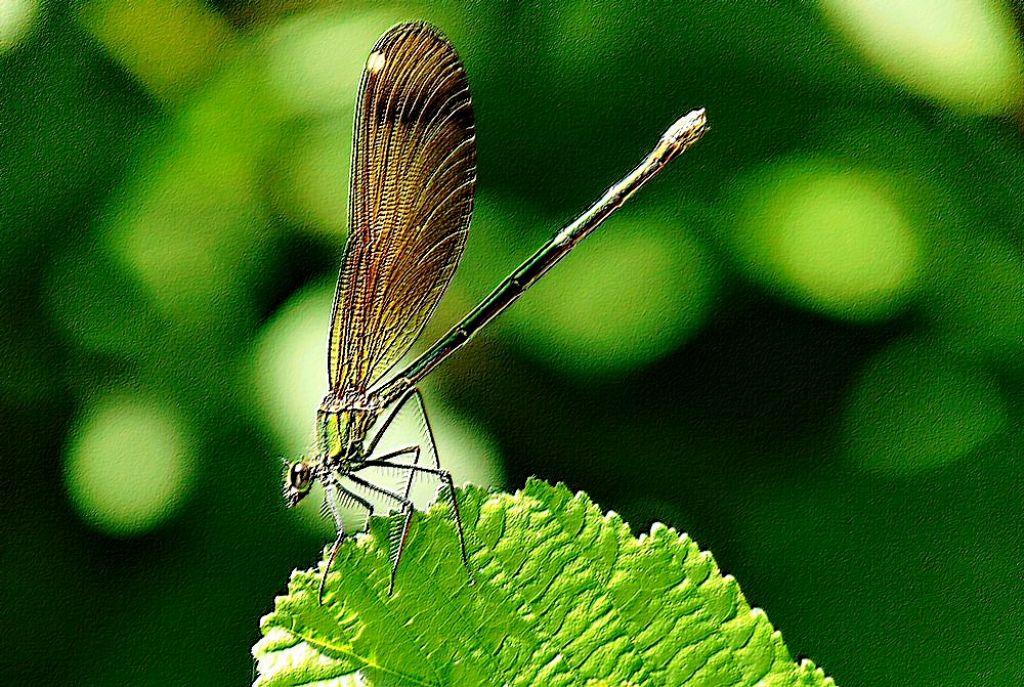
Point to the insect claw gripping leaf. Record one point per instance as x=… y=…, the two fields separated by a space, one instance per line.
x=399 y=536
x=457 y=518
x=327 y=567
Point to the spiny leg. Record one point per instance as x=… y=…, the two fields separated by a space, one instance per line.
x=397 y=543
x=330 y=494
x=398 y=405
x=391 y=455
x=444 y=475
x=433 y=451
x=331 y=502
x=446 y=479
x=412 y=473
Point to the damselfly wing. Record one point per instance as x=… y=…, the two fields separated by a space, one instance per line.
x=413 y=176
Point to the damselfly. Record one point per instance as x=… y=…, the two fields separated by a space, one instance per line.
x=412 y=182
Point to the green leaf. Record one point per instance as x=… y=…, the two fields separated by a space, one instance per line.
x=563 y=595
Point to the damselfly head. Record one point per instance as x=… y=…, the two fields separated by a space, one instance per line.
x=297 y=481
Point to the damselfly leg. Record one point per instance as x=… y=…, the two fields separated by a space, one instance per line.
x=447 y=483
x=390 y=461
x=335 y=496
x=399 y=535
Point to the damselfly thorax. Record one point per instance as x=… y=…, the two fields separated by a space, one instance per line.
x=342 y=426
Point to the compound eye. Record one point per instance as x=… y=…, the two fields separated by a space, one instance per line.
x=299 y=476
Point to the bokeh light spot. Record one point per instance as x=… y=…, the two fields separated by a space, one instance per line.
x=290 y=367
x=129 y=465
x=190 y=226
x=311 y=177
x=315 y=59
x=627 y=298
x=962 y=53
x=16 y=18
x=165 y=45
x=917 y=407
x=833 y=239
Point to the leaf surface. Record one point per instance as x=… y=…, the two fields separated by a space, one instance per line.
x=563 y=595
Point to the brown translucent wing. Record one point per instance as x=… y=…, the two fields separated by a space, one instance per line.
x=413 y=177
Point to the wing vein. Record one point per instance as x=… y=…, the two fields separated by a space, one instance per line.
x=412 y=181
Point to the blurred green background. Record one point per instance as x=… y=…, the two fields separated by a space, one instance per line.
x=802 y=344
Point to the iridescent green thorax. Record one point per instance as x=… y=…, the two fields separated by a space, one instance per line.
x=341 y=434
